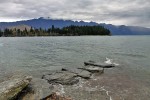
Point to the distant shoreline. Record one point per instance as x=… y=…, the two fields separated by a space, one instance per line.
x=58 y=36
x=21 y=31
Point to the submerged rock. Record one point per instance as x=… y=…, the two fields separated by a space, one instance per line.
x=63 y=77
x=79 y=72
x=56 y=96
x=11 y=88
x=103 y=65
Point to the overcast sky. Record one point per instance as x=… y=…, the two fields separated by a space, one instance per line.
x=118 y=12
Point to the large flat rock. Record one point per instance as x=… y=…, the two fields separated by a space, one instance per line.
x=11 y=88
x=103 y=65
x=85 y=74
x=62 y=77
x=93 y=69
x=79 y=72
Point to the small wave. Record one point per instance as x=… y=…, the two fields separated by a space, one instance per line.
x=61 y=90
x=131 y=55
x=90 y=89
x=68 y=49
x=79 y=84
x=110 y=61
x=107 y=92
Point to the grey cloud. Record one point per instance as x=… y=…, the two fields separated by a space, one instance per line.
x=110 y=11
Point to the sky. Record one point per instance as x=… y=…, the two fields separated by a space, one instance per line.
x=117 y=12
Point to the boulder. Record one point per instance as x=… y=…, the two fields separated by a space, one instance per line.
x=103 y=65
x=37 y=90
x=79 y=72
x=11 y=88
x=93 y=69
x=62 y=77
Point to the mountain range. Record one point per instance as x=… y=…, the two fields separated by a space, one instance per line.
x=46 y=23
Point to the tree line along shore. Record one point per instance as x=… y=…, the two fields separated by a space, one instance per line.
x=54 y=31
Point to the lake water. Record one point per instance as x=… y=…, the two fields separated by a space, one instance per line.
x=34 y=55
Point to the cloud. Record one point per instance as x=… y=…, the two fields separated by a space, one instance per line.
x=135 y=12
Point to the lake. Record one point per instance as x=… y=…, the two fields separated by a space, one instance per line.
x=35 y=55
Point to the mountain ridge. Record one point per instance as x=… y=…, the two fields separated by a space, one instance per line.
x=60 y=23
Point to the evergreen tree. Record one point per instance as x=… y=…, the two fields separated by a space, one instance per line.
x=18 y=32
x=31 y=30
x=53 y=28
x=1 y=33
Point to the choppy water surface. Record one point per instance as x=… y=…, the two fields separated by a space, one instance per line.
x=35 y=55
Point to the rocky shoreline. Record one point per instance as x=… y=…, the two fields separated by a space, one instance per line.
x=51 y=85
